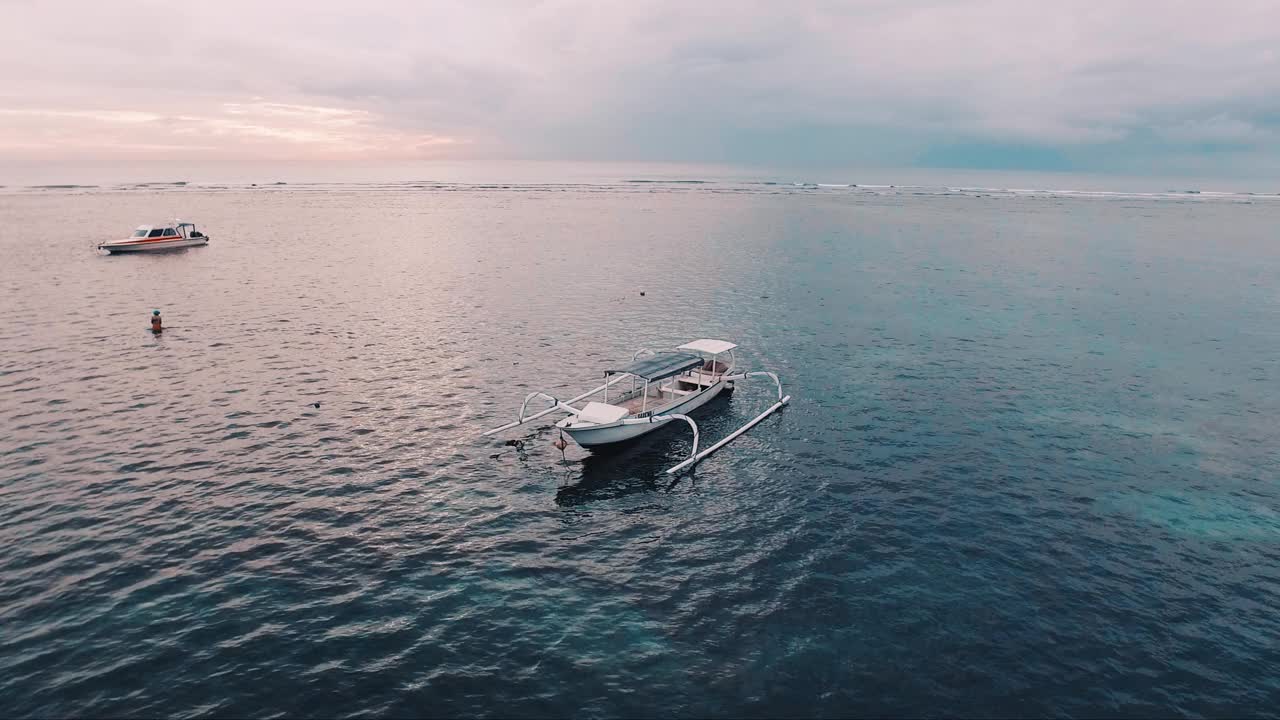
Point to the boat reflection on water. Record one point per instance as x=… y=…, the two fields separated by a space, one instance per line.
x=599 y=485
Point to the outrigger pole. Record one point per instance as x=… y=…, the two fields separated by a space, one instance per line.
x=623 y=420
x=696 y=456
x=556 y=405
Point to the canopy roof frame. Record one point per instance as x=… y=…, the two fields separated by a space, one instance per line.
x=706 y=345
x=658 y=366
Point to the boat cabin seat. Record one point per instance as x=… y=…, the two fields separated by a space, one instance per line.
x=602 y=413
x=712 y=366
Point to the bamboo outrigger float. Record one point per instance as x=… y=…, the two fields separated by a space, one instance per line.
x=664 y=387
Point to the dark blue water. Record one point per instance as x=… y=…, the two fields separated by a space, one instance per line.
x=1030 y=466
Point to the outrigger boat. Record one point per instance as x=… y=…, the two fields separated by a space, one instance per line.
x=664 y=386
x=164 y=236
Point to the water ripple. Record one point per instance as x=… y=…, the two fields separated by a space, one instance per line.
x=1026 y=470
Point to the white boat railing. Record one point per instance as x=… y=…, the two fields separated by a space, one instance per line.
x=555 y=404
x=558 y=406
x=765 y=373
x=677 y=416
x=696 y=455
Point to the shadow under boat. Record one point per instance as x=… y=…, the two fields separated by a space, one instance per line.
x=637 y=465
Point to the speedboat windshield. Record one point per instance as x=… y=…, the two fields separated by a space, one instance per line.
x=140 y=232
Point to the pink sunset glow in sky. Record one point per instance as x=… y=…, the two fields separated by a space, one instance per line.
x=1112 y=86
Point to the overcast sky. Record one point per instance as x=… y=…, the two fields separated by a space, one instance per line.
x=1137 y=87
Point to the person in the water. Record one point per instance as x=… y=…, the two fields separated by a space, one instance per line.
x=155 y=321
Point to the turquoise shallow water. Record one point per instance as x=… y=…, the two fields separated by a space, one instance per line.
x=1029 y=469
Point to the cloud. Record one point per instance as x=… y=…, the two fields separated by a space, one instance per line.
x=1222 y=128
x=871 y=82
x=254 y=129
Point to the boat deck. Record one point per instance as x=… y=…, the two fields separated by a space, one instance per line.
x=664 y=394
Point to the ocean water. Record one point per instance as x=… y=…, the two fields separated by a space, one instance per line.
x=1029 y=469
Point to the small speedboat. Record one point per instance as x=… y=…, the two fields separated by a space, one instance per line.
x=664 y=386
x=163 y=236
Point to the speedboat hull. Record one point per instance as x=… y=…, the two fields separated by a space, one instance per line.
x=147 y=245
x=629 y=428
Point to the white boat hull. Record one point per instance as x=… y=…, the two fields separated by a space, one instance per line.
x=601 y=423
x=119 y=246
x=630 y=428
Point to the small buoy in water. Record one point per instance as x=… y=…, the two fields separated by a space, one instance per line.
x=641 y=293
x=560 y=444
x=315 y=405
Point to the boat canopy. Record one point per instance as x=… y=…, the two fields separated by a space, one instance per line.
x=658 y=366
x=714 y=347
